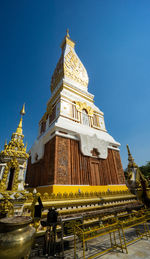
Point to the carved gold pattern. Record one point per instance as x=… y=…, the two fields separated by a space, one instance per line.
x=6 y=207
x=74 y=69
x=58 y=73
x=15 y=148
x=80 y=106
x=69 y=66
x=4 y=179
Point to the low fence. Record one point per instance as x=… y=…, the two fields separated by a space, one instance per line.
x=137 y=220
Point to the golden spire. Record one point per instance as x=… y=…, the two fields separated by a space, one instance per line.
x=67 y=40
x=22 y=112
x=15 y=148
x=5 y=143
x=68 y=33
x=130 y=159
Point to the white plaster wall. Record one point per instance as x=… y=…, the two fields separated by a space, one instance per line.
x=102 y=123
x=66 y=108
x=95 y=138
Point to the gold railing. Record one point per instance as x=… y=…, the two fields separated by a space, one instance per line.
x=85 y=235
x=85 y=232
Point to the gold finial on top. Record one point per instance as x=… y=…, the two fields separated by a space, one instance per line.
x=68 y=33
x=130 y=159
x=22 y=112
x=128 y=150
x=67 y=40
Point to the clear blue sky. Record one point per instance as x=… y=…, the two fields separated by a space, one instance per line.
x=113 y=42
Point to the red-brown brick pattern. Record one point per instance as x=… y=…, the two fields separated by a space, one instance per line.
x=42 y=172
x=121 y=176
x=63 y=163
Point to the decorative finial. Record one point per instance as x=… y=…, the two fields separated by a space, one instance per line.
x=5 y=143
x=22 y=112
x=128 y=150
x=130 y=159
x=68 y=33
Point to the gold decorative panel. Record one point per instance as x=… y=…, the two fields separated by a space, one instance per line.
x=80 y=106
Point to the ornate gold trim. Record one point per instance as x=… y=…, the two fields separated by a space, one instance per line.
x=80 y=106
x=74 y=69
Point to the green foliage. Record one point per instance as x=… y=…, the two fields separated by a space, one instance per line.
x=145 y=170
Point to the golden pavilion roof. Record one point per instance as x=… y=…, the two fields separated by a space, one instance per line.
x=15 y=147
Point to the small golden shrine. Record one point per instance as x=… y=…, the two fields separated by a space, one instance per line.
x=13 y=160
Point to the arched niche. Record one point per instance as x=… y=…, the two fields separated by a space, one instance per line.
x=85 y=117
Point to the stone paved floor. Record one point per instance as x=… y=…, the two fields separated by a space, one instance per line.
x=136 y=250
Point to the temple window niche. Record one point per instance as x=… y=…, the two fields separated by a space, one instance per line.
x=85 y=118
x=10 y=178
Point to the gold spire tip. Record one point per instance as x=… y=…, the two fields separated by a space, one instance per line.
x=22 y=112
x=68 y=33
x=5 y=142
x=128 y=148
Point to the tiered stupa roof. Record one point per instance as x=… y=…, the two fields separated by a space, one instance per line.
x=69 y=67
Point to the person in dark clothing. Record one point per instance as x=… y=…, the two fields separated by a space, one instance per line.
x=38 y=209
x=52 y=216
x=50 y=237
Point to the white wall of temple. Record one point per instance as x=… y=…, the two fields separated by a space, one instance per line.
x=67 y=108
x=76 y=96
x=74 y=92
x=89 y=138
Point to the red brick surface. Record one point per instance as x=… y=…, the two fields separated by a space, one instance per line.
x=63 y=163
